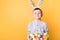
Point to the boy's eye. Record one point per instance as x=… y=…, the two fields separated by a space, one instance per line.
x=35 y=12
x=38 y=13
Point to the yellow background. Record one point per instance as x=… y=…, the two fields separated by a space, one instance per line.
x=16 y=14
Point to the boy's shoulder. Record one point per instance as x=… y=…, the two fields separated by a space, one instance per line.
x=30 y=23
x=43 y=22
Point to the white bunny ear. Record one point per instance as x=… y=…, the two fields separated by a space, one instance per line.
x=39 y=3
x=32 y=4
x=38 y=6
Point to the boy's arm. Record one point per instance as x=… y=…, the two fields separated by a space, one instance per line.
x=46 y=35
x=29 y=31
x=45 y=28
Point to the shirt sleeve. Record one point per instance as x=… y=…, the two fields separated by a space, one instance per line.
x=29 y=28
x=45 y=28
x=29 y=31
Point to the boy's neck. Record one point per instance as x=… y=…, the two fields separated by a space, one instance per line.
x=38 y=19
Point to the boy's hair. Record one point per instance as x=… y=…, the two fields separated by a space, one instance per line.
x=40 y=11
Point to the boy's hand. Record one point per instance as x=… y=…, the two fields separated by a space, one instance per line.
x=37 y=38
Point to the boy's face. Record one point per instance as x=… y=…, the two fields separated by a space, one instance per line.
x=37 y=14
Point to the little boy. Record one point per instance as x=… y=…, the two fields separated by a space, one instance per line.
x=37 y=25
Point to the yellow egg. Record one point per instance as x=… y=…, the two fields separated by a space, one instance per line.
x=34 y=38
x=46 y=36
x=36 y=33
x=32 y=35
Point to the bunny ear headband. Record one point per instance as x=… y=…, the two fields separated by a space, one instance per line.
x=38 y=6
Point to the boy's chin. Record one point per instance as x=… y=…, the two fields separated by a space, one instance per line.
x=37 y=18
